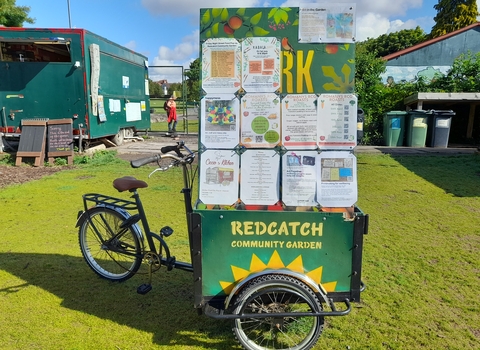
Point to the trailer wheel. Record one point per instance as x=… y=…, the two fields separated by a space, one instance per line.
x=272 y=294
x=119 y=137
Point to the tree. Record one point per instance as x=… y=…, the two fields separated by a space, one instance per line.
x=193 y=81
x=12 y=15
x=389 y=43
x=155 y=88
x=453 y=15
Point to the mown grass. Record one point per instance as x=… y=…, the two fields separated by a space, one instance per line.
x=421 y=264
x=182 y=126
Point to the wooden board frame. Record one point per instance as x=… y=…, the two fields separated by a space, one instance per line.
x=60 y=140
x=32 y=141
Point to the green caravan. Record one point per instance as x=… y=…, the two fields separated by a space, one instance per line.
x=48 y=74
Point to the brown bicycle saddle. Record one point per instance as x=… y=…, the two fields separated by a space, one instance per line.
x=128 y=183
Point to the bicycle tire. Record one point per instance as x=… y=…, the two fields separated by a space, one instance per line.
x=113 y=258
x=277 y=293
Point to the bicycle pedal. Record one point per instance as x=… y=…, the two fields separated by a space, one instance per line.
x=144 y=289
x=166 y=231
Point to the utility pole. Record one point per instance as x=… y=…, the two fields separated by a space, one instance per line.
x=69 y=19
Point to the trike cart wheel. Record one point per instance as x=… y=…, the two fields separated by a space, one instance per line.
x=276 y=293
x=110 y=251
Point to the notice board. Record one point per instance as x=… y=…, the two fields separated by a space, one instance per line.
x=60 y=139
x=32 y=141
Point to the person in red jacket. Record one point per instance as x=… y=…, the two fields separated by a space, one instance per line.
x=172 y=116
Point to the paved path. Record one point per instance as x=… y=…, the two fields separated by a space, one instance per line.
x=153 y=146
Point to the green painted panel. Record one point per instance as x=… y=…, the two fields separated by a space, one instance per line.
x=306 y=68
x=238 y=243
x=34 y=85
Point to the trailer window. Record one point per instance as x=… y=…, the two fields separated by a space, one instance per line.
x=35 y=51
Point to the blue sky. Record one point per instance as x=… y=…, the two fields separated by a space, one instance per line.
x=166 y=31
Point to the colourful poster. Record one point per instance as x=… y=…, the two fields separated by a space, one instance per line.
x=261 y=64
x=327 y=23
x=299 y=121
x=221 y=65
x=337 y=184
x=219 y=121
x=260 y=120
x=299 y=178
x=337 y=121
x=218 y=182
x=260 y=177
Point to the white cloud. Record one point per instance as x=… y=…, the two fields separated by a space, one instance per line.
x=371 y=25
x=131 y=45
x=179 y=56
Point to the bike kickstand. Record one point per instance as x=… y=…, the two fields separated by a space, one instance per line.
x=146 y=287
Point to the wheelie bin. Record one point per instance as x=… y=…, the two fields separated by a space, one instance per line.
x=417 y=125
x=394 y=128
x=439 y=128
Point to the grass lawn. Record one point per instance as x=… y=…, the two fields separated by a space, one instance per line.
x=421 y=264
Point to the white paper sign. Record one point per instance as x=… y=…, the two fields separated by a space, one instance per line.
x=299 y=121
x=337 y=183
x=221 y=65
x=219 y=121
x=327 y=23
x=219 y=177
x=260 y=120
x=337 y=121
x=260 y=177
x=261 y=64
x=299 y=178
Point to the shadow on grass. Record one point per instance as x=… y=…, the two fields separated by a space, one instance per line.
x=455 y=174
x=166 y=312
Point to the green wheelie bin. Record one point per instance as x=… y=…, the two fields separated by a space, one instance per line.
x=417 y=125
x=394 y=128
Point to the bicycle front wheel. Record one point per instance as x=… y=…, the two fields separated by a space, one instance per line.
x=270 y=294
x=112 y=252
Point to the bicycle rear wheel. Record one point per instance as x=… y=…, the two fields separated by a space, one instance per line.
x=112 y=252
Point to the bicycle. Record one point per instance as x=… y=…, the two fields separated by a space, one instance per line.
x=271 y=308
x=110 y=238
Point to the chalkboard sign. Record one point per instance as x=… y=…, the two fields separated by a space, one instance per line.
x=32 y=141
x=60 y=139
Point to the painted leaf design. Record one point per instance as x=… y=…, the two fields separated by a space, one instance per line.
x=346 y=70
x=224 y=15
x=272 y=12
x=259 y=31
x=255 y=19
x=215 y=29
x=241 y=12
x=281 y=16
x=216 y=12
x=206 y=17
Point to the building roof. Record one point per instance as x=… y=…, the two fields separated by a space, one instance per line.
x=429 y=42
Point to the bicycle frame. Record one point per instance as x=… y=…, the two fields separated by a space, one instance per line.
x=124 y=206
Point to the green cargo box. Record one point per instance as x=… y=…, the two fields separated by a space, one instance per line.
x=326 y=247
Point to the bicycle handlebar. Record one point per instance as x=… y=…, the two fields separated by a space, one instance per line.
x=182 y=159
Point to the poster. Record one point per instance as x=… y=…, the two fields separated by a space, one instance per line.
x=219 y=177
x=337 y=185
x=327 y=23
x=299 y=121
x=299 y=178
x=261 y=64
x=260 y=120
x=337 y=121
x=219 y=121
x=260 y=177
x=221 y=65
